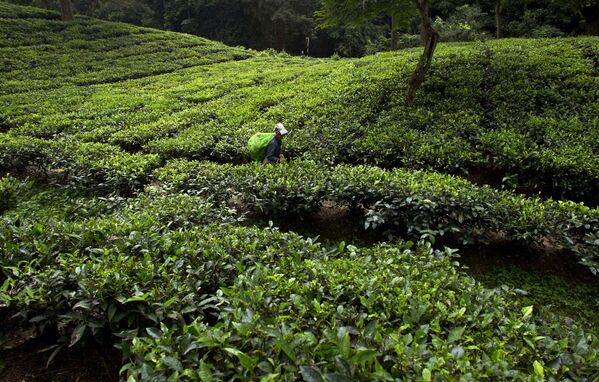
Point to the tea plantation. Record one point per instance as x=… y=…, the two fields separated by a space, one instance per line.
x=132 y=217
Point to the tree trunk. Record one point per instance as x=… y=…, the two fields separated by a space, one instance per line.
x=93 y=6
x=424 y=31
x=499 y=17
x=280 y=36
x=66 y=10
x=591 y=19
x=393 y=33
x=432 y=37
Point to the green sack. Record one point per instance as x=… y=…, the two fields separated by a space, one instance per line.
x=257 y=145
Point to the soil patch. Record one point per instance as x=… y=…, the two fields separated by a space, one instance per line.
x=332 y=223
x=27 y=362
x=485 y=177
x=550 y=261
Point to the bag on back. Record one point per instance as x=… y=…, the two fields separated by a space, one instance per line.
x=258 y=144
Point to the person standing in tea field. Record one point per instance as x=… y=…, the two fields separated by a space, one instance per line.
x=266 y=147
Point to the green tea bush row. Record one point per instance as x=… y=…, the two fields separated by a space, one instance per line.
x=17 y=152
x=107 y=53
x=8 y=190
x=55 y=57
x=112 y=70
x=386 y=313
x=569 y=171
x=195 y=301
x=14 y=11
x=133 y=113
x=423 y=140
x=299 y=191
x=544 y=96
x=152 y=260
x=101 y=166
x=523 y=111
x=541 y=77
x=401 y=201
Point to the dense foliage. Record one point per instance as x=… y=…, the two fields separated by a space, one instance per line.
x=508 y=113
x=412 y=203
x=8 y=190
x=285 y=25
x=141 y=143
x=192 y=295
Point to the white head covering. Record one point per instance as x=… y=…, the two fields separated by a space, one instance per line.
x=279 y=128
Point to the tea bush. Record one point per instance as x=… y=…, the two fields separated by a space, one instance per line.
x=8 y=190
x=380 y=314
x=401 y=201
x=13 y=11
x=523 y=112
x=96 y=165
x=102 y=166
x=18 y=152
x=189 y=294
x=100 y=276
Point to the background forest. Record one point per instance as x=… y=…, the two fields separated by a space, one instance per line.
x=291 y=25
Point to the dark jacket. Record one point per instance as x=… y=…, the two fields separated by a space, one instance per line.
x=273 y=151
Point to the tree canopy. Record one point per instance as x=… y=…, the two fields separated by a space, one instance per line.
x=358 y=12
x=349 y=28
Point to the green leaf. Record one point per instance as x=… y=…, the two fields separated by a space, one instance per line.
x=364 y=355
x=245 y=360
x=242 y=328
x=53 y=355
x=455 y=334
x=84 y=304
x=343 y=365
x=154 y=333
x=173 y=363
x=191 y=346
x=205 y=372
x=143 y=297
x=77 y=334
x=538 y=368
x=457 y=352
x=270 y=378
x=111 y=311
x=310 y=374
x=426 y=375
x=337 y=377
x=39 y=318
x=527 y=311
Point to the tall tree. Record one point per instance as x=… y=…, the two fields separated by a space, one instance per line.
x=279 y=23
x=358 y=12
x=591 y=17
x=429 y=37
x=66 y=10
x=499 y=18
x=334 y=12
x=589 y=10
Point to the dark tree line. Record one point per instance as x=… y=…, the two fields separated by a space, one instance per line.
x=293 y=25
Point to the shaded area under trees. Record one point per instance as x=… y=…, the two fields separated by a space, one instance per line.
x=290 y=25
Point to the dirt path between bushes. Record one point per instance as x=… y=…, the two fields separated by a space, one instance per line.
x=26 y=362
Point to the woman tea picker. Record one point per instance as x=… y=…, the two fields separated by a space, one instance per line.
x=266 y=147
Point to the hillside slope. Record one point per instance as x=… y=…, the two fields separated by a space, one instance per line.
x=116 y=232
x=522 y=113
